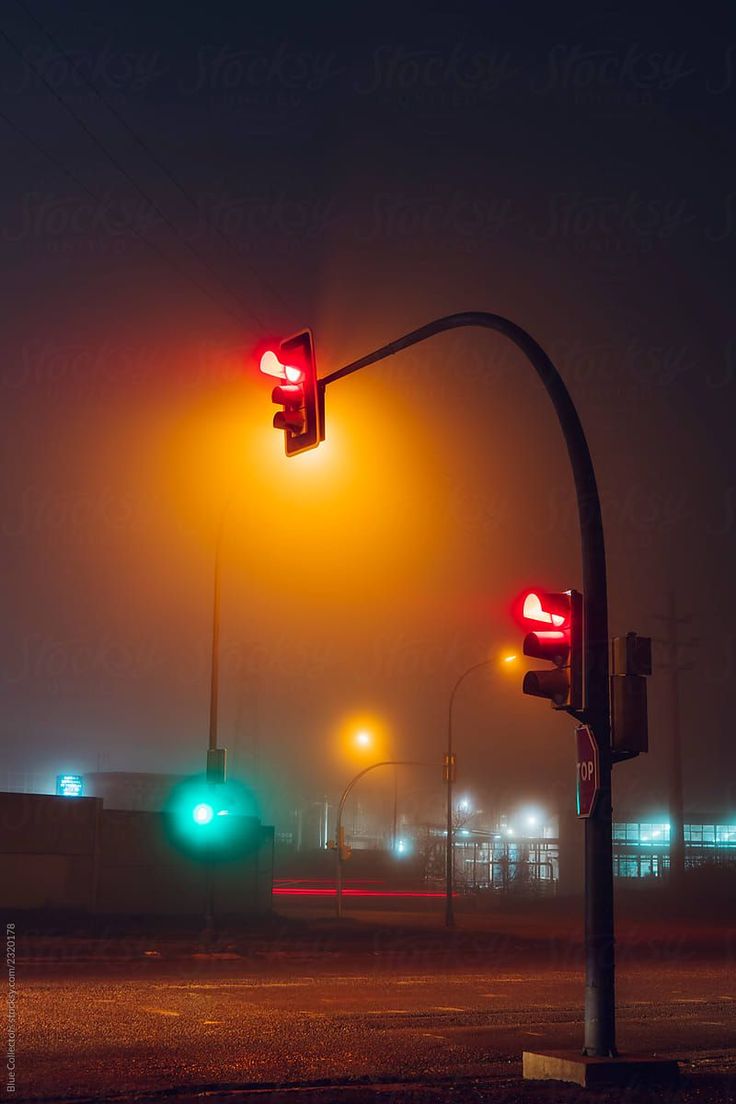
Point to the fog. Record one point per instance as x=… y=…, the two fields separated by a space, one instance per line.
x=362 y=180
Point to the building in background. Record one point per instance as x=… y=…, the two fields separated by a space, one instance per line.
x=133 y=790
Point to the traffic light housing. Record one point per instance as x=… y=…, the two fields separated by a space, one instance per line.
x=555 y=624
x=631 y=663
x=299 y=395
x=216 y=765
x=344 y=848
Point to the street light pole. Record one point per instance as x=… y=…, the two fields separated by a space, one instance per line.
x=450 y=771
x=215 y=650
x=338 y=823
x=209 y=908
x=600 y=1004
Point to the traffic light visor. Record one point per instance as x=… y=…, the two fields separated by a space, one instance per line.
x=543 y=609
x=553 y=646
x=270 y=365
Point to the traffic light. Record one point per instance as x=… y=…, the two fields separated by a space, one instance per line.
x=555 y=622
x=345 y=849
x=300 y=396
x=216 y=765
x=631 y=662
x=209 y=819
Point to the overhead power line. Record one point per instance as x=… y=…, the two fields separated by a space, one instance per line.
x=124 y=172
x=100 y=200
x=141 y=143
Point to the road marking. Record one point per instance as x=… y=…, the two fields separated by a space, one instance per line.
x=212 y=1021
x=243 y=985
x=537 y=1033
x=161 y=1011
x=388 y=1012
x=446 y=1008
x=429 y=1035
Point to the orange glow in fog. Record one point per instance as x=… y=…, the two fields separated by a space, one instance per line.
x=362 y=738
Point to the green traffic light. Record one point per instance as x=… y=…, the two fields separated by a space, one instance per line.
x=206 y=818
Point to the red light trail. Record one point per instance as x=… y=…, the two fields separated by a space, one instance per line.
x=293 y=892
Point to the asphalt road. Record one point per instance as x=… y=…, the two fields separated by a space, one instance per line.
x=103 y=1026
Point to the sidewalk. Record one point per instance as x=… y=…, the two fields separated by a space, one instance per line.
x=700 y=1084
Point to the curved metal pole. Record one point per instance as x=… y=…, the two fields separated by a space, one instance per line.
x=450 y=834
x=338 y=824
x=600 y=1019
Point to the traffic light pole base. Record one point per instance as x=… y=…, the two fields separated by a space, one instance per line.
x=595 y=1073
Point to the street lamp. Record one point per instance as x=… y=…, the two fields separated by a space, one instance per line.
x=339 y=842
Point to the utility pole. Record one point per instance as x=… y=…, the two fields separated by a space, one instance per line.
x=674 y=665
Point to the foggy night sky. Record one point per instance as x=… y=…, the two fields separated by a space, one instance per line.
x=361 y=173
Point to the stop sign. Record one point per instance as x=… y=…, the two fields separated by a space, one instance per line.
x=588 y=770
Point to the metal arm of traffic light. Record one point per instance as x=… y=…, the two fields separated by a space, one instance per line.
x=589 y=511
x=600 y=1030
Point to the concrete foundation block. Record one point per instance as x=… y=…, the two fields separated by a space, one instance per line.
x=596 y=1073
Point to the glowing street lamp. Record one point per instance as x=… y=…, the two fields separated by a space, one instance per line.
x=360 y=734
x=342 y=851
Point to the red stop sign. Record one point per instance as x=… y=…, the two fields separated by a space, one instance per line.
x=588 y=770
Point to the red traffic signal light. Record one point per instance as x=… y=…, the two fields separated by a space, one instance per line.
x=302 y=416
x=556 y=624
